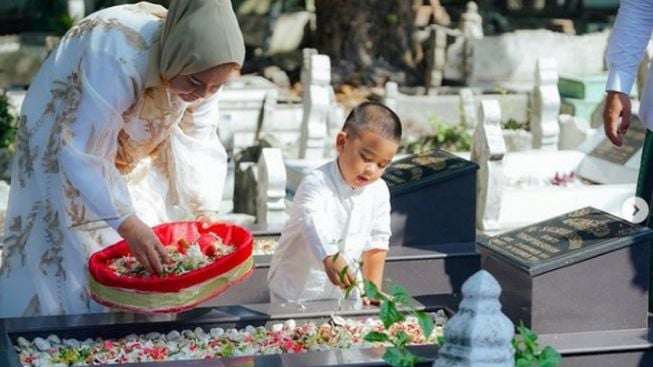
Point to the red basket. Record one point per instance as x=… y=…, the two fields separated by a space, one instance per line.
x=174 y=293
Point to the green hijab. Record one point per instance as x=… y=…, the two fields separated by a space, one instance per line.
x=197 y=35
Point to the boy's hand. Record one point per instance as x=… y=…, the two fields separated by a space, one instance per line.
x=338 y=271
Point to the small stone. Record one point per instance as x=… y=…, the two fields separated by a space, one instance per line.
x=153 y=335
x=41 y=344
x=72 y=343
x=173 y=335
x=217 y=332
x=54 y=339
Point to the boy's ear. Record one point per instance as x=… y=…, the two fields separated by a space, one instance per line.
x=340 y=141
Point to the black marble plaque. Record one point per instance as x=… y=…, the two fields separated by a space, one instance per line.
x=423 y=168
x=564 y=240
x=632 y=142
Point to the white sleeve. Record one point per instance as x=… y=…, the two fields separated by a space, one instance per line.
x=316 y=226
x=198 y=159
x=629 y=38
x=94 y=190
x=380 y=234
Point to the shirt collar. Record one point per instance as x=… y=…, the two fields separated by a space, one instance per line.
x=344 y=189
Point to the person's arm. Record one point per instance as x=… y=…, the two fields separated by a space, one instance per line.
x=376 y=249
x=94 y=191
x=318 y=232
x=629 y=38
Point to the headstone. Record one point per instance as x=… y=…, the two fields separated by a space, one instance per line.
x=478 y=335
x=436 y=58
x=391 y=94
x=545 y=105
x=586 y=270
x=316 y=108
x=271 y=206
x=471 y=26
x=573 y=132
x=468 y=107
x=606 y=163
x=488 y=150
x=424 y=181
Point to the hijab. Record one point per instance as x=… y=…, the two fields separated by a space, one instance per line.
x=197 y=35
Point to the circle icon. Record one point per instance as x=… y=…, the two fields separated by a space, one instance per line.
x=635 y=209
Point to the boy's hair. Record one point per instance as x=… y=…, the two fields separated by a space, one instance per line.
x=376 y=117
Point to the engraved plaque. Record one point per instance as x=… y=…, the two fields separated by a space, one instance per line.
x=632 y=142
x=421 y=168
x=563 y=240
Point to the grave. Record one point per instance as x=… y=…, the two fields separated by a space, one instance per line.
x=559 y=275
x=533 y=185
x=608 y=164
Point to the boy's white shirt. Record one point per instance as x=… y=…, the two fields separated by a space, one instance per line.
x=328 y=216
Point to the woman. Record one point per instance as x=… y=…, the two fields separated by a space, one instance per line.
x=117 y=133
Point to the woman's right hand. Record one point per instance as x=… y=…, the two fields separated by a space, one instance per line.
x=144 y=244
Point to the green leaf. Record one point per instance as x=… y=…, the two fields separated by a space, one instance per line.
x=376 y=337
x=549 y=357
x=371 y=291
x=335 y=256
x=399 y=294
x=523 y=363
x=440 y=340
x=342 y=273
x=401 y=339
x=400 y=357
x=389 y=314
x=425 y=323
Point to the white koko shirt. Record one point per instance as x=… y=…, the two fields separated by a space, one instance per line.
x=629 y=38
x=327 y=217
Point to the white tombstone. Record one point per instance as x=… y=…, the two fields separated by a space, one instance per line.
x=391 y=95
x=545 y=105
x=266 y=117
x=479 y=334
x=488 y=150
x=573 y=131
x=468 y=107
x=270 y=203
x=76 y=9
x=316 y=108
x=437 y=57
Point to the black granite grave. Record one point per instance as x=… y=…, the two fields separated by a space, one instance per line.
x=582 y=271
x=433 y=198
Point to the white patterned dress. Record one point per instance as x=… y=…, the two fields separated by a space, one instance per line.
x=84 y=159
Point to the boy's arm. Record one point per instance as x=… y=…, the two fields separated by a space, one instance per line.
x=373 y=265
x=317 y=231
x=376 y=249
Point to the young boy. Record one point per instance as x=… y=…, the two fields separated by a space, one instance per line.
x=340 y=208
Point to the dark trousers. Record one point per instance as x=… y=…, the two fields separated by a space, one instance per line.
x=645 y=191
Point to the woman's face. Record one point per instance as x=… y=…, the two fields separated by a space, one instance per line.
x=192 y=87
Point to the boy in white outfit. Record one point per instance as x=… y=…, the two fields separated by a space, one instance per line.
x=340 y=208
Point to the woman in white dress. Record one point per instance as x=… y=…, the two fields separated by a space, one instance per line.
x=117 y=133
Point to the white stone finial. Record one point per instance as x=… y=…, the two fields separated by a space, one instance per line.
x=391 y=94
x=545 y=105
x=488 y=150
x=316 y=107
x=270 y=204
x=479 y=334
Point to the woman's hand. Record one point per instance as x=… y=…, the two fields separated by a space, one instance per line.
x=144 y=244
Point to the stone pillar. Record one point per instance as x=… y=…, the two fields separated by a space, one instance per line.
x=391 y=94
x=316 y=107
x=266 y=117
x=76 y=9
x=468 y=107
x=471 y=27
x=479 y=334
x=270 y=203
x=437 y=57
x=488 y=149
x=545 y=105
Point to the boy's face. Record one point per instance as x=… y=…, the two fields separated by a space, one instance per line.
x=363 y=156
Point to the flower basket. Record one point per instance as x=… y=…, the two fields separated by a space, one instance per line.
x=172 y=292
